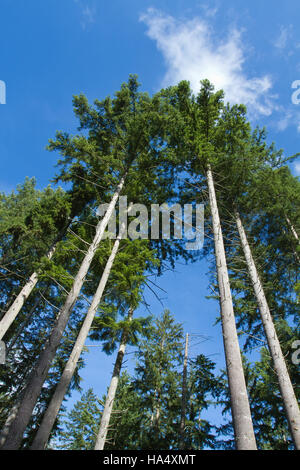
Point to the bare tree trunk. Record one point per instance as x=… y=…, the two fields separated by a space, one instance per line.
x=109 y=402
x=18 y=303
x=50 y=415
x=23 y=325
x=292 y=228
x=184 y=394
x=285 y=385
x=15 y=431
x=241 y=415
x=295 y=234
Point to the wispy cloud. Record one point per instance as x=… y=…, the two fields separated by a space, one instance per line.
x=297 y=169
x=287 y=117
x=88 y=14
x=282 y=40
x=192 y=51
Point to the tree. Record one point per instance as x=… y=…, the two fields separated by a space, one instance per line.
x=109 y=401
x=238 y=144
x=30 y=214
x=80 y=425
x=45 y=428
x=126 y=122
x=201 y=117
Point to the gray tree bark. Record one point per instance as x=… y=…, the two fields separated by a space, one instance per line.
x=13 y=433
x=241 y=415
x=18 y=303
x=293 y=230
x=285 y=385
x=23 y=325
x=43 y=433
x=184 y=394
x=109 y=402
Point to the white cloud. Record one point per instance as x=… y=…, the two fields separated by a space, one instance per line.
x=88 y=14
x=297 y=169
x=284 y=36
x=193 y=52
x=285 y=121
x=287 y=117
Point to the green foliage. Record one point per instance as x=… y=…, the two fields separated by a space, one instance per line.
x=79 y=428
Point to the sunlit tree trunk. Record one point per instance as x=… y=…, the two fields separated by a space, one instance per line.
x=50 y=415
x=292 y=228
x=13 y=434
x=241 y=415
x=109 y=402
x=184 y=394
x=285 y=385
x=18 y=303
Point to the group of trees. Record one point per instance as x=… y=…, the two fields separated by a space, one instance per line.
x=63 y=279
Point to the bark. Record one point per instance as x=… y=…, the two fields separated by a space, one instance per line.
x=50 y=415
x=109 y=402
x=24 y=324
x=241 y=416
x=19 y=301
x=292 y=228
x=295 y=234
x=19 y=424
x=285 y=385
x=184 y=394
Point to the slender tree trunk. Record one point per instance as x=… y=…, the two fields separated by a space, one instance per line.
x=292 y=228
x=50 y=415
x=109 y=402
x=285 y=385
x=241 y=415
x=295 y=234
x=15 y=431
x=155 y=418
x=19 y=301
x=23 y=325
x=184 y=394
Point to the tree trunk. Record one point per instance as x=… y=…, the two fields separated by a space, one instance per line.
x=19 y=301
x=285 y=385
x=23 y=325
x=292 y=228
x=109 y=402
x=241 y=415
x=50 y=415
x=184 y=394
x=17 y=428
x=295 y=234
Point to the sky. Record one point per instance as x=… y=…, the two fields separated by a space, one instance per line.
x=51 y=50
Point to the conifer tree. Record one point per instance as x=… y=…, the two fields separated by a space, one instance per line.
x=80 y=424
x=125 y=134
x=200 y=120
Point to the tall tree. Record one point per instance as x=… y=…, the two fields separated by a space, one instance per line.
x=30 y=213
x=125 y=121
x=109 y=401
x=246 y=158
x=78 y=429
x=45 y=428
x=201 y=117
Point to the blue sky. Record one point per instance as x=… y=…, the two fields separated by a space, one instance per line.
x=53 y=49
